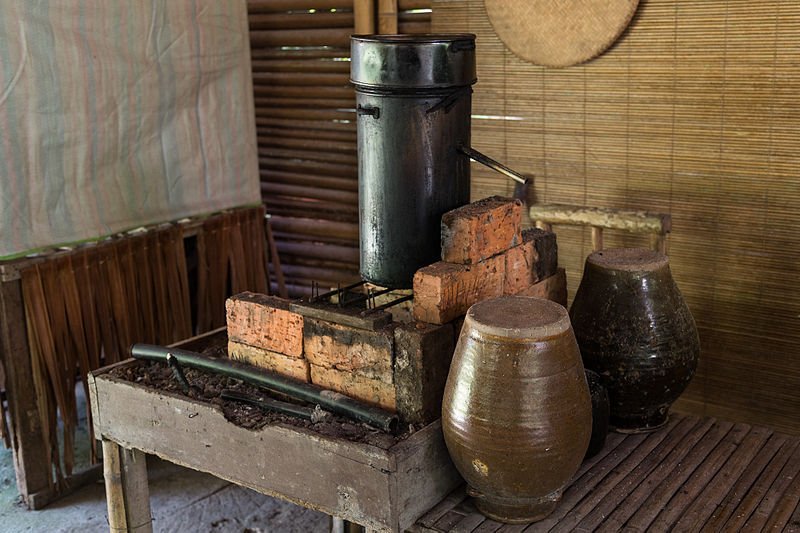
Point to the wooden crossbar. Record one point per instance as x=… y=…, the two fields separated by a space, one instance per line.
x=658 y=225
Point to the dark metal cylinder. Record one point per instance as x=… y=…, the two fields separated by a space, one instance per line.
x=413 y=94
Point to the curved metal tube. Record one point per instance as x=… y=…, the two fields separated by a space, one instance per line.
x=328 y=399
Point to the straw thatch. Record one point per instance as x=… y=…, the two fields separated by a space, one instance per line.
x=85 y=308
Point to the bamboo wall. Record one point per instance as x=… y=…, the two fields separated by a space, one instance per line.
x=693 y=112
x=305 y=110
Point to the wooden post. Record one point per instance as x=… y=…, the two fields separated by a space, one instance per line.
x=387 y=16
x=30 y=456
x=364 y=11
x=658 y=242
x=127 y=494
x=597 y=238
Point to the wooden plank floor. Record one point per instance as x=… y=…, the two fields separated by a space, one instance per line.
x=696 y=474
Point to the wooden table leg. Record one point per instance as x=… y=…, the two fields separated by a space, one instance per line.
x=127 y=494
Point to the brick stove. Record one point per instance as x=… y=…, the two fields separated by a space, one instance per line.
x=387 y=356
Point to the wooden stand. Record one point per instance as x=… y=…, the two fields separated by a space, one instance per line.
x=381 y=489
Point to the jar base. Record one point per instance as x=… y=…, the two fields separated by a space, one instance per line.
x=640 y=424
x=517 y=510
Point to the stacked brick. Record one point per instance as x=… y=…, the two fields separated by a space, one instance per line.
x=263 y=331
x=486 y=254
x=399 y=367
x=402 y=366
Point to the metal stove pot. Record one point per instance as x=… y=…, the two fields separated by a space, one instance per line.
x=413 y=95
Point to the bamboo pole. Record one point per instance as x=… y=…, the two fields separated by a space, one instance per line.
x=628 y=220
x=297 y=21
x=315 y=65
x=310 y=180
x=408 y=5
x=307 y=37
x=127 y=494
x=315 y=226
x=302 y=78
x=331 y=195
x=299 y=91
x=312 y=154
x=364 y=16
x=262 y=6
x=387 y=16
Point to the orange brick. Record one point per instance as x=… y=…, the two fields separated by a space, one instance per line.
x=552 y=288
x=444 y=291
x=520 y=269
x=349 y=349
x=265 y=322
x=274 y=362
x=372 y=391
x=479 y=230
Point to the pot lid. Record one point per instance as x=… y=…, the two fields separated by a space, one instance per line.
x=413 y=61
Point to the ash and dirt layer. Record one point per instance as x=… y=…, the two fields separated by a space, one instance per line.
x=206 y=387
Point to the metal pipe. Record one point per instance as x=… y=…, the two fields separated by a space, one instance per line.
x=491 y=163
x=268 y=404
x=177 y=372
x=332 y=401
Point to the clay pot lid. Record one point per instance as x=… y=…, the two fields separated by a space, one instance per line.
x=628 y=259
x=518 y=317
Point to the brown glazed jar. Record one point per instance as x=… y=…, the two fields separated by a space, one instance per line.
x=636 y=331
x=516 y=413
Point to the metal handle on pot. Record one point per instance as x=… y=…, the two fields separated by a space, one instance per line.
x=374 y=112
x=494 y=165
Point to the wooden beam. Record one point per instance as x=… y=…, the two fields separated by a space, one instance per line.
x=31 y=464
x=628 y=220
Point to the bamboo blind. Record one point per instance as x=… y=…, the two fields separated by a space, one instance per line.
x=85 y=308
x=694 y=112
x=305 y=111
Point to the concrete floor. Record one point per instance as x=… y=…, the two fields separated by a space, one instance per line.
x=180 y=500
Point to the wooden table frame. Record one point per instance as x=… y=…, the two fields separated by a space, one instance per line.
x=383 y=489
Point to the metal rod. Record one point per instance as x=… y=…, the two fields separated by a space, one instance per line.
x=337 y=291
x=177 y=372
x=268 y=404
x=328 y=399
x=388 y=305
x=363 y=297
x=491 y=163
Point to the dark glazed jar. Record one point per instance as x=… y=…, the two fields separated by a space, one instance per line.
x=636 y=331
x=516 y=413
